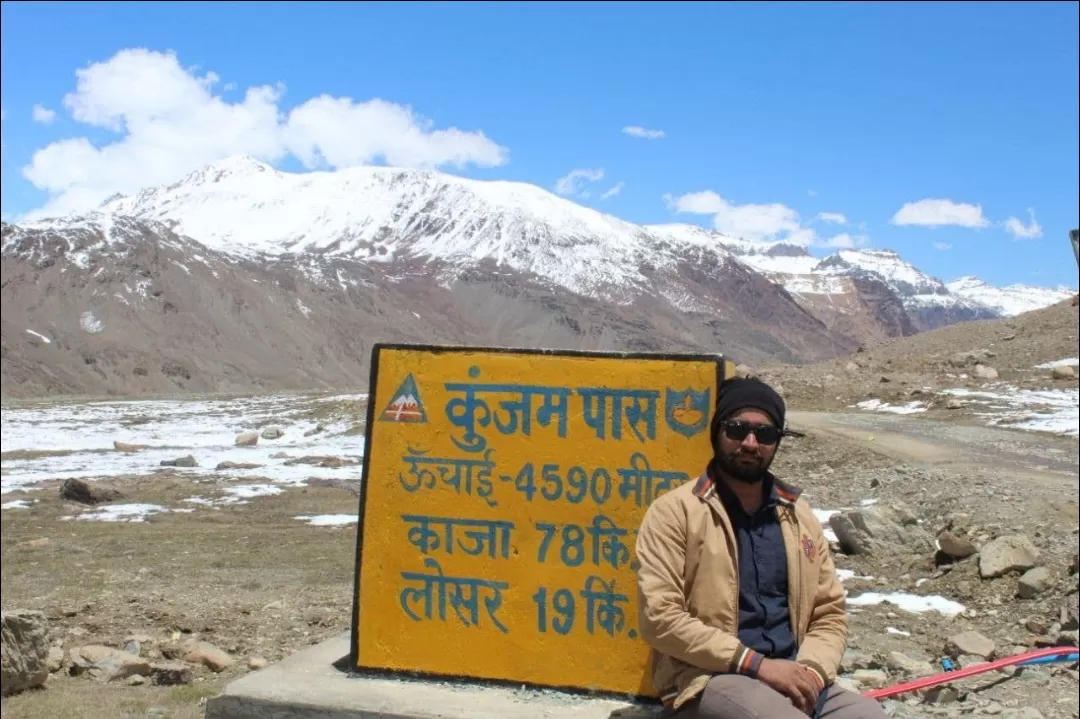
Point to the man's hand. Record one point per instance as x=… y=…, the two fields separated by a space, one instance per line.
x=792 y=680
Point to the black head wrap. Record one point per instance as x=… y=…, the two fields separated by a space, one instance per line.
x=739 y=393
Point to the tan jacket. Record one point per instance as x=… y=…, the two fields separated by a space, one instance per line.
x=688 y=590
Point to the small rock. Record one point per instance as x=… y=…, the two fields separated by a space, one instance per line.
x=1013 y=552
x=985 y=372
x=272 y=433
x=208 y=655
x=125 y=447
x=318 y=429
x=870 y=678
x=954 y=546
x=1063 y=372
x=185 y=461
x=849 y=684
x=960 y=359
x=170 y=673
x=971 y=643
x=105 y=663
x=227 y=464
x=135 y=680
x=915 y=667
x=77 y=490
x=55 y=659
x=247 y=439
x=743 y=370
x=954 y=404
x=24 y=650
x=1022 y=713
x=1033 y=583
x=257 y=662
x=1035 y=626
x=941 y=695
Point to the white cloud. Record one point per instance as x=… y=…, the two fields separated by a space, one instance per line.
x=43 y=114
x=845 y=241
x=3 y=114
x=1031 y=231
x=940 y=212
x=942 y=246
x=570 y=184
x=642 y=132
x=834 y=217
x=171 y=122
x=757 y=222
x=812 y=193
x=615 y=190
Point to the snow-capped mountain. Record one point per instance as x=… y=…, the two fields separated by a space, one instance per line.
x=1010 y=300
x=326 y=262
x=382 y=215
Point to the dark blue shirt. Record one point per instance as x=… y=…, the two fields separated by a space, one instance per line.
x=764 y=620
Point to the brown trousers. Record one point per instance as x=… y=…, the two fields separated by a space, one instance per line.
x=732 y=696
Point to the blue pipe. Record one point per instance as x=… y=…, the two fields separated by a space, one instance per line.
x=1072 y=657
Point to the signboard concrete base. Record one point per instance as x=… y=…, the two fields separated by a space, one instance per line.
x=316 y=684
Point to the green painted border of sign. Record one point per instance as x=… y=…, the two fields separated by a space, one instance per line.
x=372 y=414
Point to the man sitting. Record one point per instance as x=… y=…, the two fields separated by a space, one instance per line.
x=738 y=594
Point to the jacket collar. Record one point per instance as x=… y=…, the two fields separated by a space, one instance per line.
x=782 y=492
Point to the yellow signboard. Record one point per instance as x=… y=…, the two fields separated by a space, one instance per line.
x=501 y=496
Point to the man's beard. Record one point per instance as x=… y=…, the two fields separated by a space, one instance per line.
x=744 y=467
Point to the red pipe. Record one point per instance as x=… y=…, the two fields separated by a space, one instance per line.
x=950 y=677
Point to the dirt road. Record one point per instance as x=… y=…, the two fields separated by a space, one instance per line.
x=921 y=441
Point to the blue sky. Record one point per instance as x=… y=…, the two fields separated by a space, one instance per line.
x=926 y=126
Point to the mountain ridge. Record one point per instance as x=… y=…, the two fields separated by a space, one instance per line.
x=325 y=264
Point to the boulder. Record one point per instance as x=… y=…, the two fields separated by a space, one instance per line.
x=1033 y=583
x=272 y=433
x=106 y=664
x=954 y=546
x=77 y=490
x=970 y=643
x=208 y=655
x=880 y=530
x=229 y=464
x=170 y=673
x=1010 y=553
x=1063 y=372
x=185 y=461
x=247 y=439
x=24 y=650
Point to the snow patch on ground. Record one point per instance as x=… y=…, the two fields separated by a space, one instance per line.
x=90 y=323
x=205 y=429
x=1067 y=362
x=328 y=520
x=40 y=336
x=135 y=512
x=913 y=603
x=1055 y=410
x=876 y=405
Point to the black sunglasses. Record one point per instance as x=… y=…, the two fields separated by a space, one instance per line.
x=738 y=429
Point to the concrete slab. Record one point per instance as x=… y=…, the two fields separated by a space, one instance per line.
x=309 y=685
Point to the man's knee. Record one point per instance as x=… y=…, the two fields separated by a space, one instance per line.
x=844 y=704
x=733 y=696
